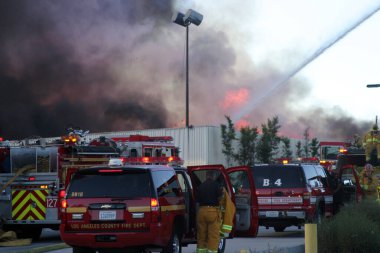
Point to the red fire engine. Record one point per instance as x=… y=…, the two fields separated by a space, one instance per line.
x=141 y=149
x=33 y=172
x=329 y=151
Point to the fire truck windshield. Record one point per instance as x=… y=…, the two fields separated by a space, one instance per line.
x=329 y=152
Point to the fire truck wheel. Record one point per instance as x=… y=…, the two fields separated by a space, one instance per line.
x=222 y=245
x=82 y=250
x=279 y=228
x=174 y=245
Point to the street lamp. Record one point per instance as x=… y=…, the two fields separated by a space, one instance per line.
x=373 y=85
x=191 y=17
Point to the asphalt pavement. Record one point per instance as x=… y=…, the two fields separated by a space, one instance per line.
x=268 y=241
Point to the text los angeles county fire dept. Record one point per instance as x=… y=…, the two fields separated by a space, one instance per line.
x=108 y=225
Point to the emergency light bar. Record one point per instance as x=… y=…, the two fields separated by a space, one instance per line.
x=342 y=150
x=70 y=139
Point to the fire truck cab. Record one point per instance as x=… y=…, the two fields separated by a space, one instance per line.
x=329 y=151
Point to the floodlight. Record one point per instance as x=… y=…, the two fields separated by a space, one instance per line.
x=178 y=18
x=193 y=17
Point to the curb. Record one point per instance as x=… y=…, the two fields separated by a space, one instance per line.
x=43 y=248
x=295 y=249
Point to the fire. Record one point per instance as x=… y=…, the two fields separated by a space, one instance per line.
x=235 y=98
x=242 y=123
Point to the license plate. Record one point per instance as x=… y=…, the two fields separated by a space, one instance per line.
x=271 y=214
x=107 y=215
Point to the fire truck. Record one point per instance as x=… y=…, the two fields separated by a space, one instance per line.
x=33 y=172
x=329 y=151
x=142 y=149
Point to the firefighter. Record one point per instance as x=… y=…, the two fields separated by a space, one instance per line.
x=371 y=141
x=228 y=212
x=209 y=216
x=369 y=182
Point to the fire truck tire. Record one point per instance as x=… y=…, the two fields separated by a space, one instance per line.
x=222 y=245
x=174 y=244
x=279 y=228
x=82 y=250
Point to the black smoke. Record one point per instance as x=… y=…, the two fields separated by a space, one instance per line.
x=56 y=69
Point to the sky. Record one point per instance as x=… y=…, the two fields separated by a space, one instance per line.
x=113 y=65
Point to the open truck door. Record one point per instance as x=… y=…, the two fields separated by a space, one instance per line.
x=198 y=175
x=247 y=221
x=352 y=191
x=346 y=170
x=240 y=185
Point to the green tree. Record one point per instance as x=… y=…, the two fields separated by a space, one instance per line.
x=286 y=150
x=314 y=147
x=228 y=136
x=299 y=149
x=247 y=147
x=269 y=143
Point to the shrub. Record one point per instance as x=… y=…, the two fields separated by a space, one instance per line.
x=370 y=208
x=353 y=230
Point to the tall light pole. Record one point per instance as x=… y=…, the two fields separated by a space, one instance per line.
x=191 y=17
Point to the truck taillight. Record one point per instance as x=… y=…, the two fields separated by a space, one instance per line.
x=62 y=200
x=153 y=203
x=62 y=193
x=155 y=210
x=62 y=213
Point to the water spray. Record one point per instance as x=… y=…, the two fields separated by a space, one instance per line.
x=251 y=104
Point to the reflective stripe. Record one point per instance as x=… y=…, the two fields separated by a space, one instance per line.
x=227 y=227
x=203 y=250
x=313 y=200
x=212 y=251
x=280 y=200
x=264 y=200
x=29 y=204
x=286 y=200
x=371 y=140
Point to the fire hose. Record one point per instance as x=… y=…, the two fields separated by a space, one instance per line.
x=19 y=172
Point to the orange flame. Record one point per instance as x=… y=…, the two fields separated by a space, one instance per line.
x=235 y=98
